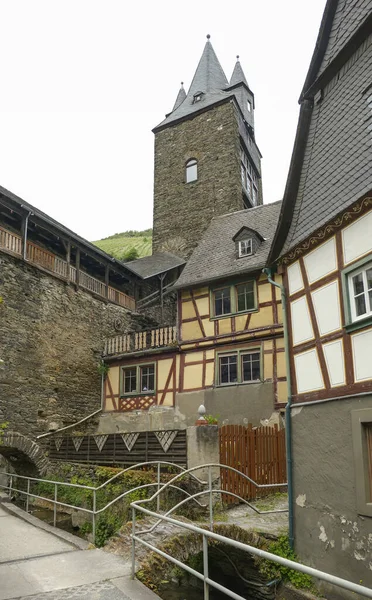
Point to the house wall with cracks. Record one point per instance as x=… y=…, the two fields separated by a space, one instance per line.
x=330 y=533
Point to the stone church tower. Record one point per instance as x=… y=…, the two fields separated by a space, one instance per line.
x=207 y=162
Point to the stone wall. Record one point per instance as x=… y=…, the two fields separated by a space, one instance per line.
x=51 y=340
x=330 y=535
x=182 y=211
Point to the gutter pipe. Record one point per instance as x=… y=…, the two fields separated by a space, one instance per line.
x=288 y=422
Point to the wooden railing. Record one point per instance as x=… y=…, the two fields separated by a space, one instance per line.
x=136 y=341
x=11 y=242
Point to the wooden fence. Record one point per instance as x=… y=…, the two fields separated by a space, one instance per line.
x=258 y=453
x=124 y=449
x=11 y=242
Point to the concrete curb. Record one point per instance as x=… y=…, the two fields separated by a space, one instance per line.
x=59 y=533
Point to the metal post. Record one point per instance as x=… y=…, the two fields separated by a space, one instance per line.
x=158 y=498
x=10 y=486
x=133 y=573
x=210 y=498
x=205 y=567
x=28 y=494
x=55 y=505
x=94 y=516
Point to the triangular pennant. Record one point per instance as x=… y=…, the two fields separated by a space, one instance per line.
x=129 y=439
x=100 y=441
x=77 y=441
x=166 y=438
x=58 y=443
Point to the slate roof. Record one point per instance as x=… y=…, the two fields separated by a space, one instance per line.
x=215 y=256
x=331 y=164
x=238 y=74
x=210 y=79
x=156 y=264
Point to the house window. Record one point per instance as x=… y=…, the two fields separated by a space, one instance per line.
x=191 y=170
x=197 y=97
x=222 y=301
x=362 y=447
x=245 y=296
x=138 y=379
x=360 y=292
x=241 y=366
x=249 y=105
x=249 y=178
x=245 y=247
x=234 y=299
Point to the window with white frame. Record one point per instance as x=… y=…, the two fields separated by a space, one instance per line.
x=234 y=299
x=191 y=170
x=245 y=247
x=360 y=292
x=241 y=366
x=138 y=379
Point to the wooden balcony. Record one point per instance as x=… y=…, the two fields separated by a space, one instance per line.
x=137 y=341
x=38 y=256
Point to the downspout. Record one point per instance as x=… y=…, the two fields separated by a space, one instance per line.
x=288 y=422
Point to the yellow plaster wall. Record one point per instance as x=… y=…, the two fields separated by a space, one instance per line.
x=193 y=357
x=280 y=343
x=168 y=400
x=268 y=345
x=280 y=313
x=281 y=366
x=203 y=306
x=201 y=291
x=192 y=377
x=240 y=322
x=185 y=295
x=261 y=318
x=163 y=371
x=209 y=374
x=208 y=327
x=282 y=391
x=188 y=311
x=191 y=331
x=109 y=405
x=209 y=354
x=224 y=325
x=113 y=375
x=264 y=293
x=268 y=366
x=178 y=362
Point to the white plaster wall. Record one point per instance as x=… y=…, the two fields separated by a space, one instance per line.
x=357 y=238
x=362 y=355
x=301 y=323
x=308 y=373
x=334 y=357
x=326 y=301
x=321 y=261
x=295 y=281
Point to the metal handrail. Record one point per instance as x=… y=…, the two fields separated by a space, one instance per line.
x=206 y=535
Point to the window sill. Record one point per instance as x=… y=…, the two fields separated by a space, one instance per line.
x=136 y=394
x=234 y=314
x=225 y=385
x=355 y=325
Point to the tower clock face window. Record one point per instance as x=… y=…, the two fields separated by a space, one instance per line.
x=191 y=170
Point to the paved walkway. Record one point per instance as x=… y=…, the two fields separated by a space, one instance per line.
x=40 y=563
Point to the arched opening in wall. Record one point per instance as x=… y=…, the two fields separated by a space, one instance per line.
x=23 y=456
x=191 y=170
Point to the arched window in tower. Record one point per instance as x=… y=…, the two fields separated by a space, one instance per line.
x=191 y=170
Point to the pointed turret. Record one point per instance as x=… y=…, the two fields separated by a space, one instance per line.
x=180 y=97
x=209 y=75
x=238 y=74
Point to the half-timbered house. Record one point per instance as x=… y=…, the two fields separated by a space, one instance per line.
x=323 y=248
x=227 y=351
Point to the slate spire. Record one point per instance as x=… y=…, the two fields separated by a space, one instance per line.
x=238 y=74
x=209 y=75
x=180 y=97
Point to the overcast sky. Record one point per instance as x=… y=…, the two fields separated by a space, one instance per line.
x=83 y=82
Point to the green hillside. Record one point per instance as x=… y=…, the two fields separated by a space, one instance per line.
x=127 y=245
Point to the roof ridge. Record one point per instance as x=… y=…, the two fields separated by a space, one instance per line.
x=235 y=212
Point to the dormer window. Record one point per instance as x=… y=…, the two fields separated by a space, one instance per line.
x=197 y=97
x=191 y=170
x=245 y=247
x=249 y=105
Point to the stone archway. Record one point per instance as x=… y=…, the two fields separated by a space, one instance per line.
x=24 y=455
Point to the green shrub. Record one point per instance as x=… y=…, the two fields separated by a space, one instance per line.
x=275 y=571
